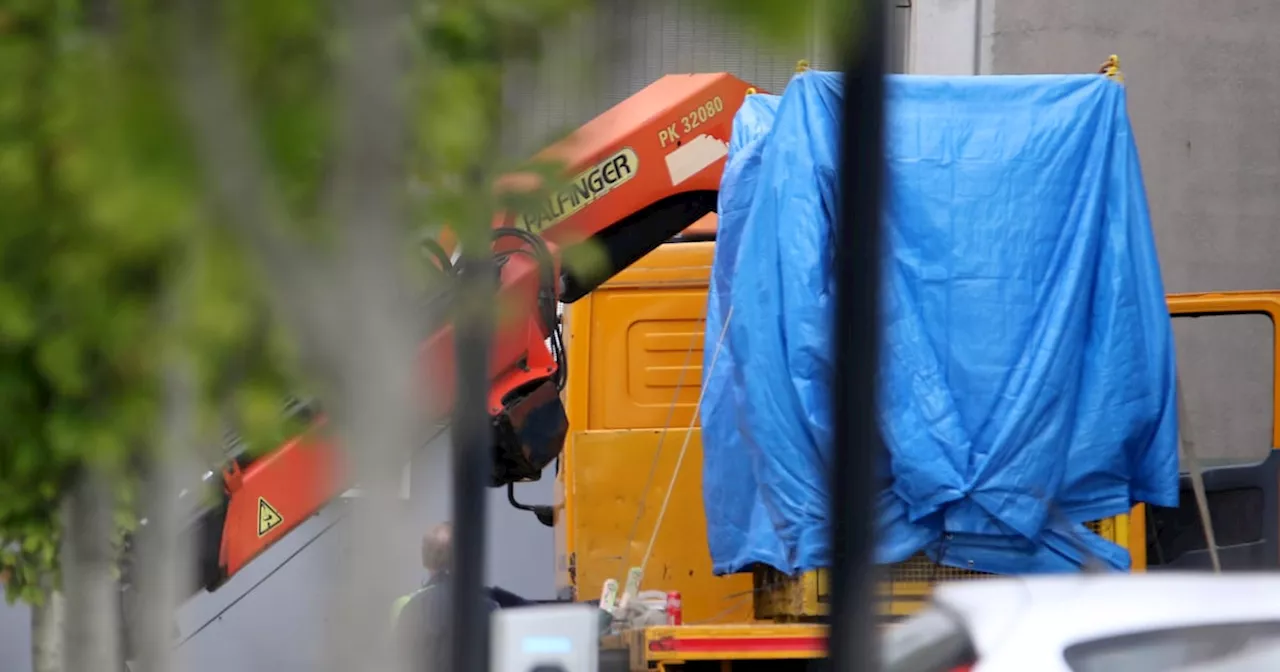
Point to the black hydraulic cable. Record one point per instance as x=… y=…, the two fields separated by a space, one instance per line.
x=546 y=285
x=541 y=255
x=537 y=251
x=433 y=248
x=853 y=644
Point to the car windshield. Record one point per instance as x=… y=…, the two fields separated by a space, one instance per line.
x=1204 y=647
x=1261 y=657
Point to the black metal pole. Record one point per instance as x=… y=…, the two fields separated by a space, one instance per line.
x=853 y=637
x=472 y=463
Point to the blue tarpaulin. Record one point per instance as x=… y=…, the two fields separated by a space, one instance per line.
x=1027 y=364
x=733 y=505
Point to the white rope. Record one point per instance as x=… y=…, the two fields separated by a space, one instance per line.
x=657 y=456
x=675 y=472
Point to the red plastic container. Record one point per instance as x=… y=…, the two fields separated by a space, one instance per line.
x=675 y=612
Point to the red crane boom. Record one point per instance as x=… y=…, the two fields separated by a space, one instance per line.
x=639 y=175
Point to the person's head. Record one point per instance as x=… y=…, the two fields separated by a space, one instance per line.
x=437 y=549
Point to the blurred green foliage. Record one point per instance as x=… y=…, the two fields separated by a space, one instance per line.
x=103 y=211
x=100 y=212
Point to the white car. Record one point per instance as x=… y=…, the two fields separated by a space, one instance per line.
x=1156 y=622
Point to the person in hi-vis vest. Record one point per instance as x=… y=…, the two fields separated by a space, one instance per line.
x=437 y=558
x=419 y=619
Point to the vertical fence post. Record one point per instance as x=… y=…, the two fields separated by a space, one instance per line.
x=472 y=460
x=853 y=639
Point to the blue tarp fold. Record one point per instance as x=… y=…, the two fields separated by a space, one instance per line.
x=744 y=529
x=1027 y=366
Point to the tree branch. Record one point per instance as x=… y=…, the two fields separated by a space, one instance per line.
x=351 y=307
x=163 y=564
x=366 y=200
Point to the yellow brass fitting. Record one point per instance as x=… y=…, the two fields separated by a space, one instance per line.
x=1111 y=68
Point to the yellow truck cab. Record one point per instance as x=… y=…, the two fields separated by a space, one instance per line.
x=629 y=490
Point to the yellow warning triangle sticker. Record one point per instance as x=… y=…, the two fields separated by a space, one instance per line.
x=268 y=518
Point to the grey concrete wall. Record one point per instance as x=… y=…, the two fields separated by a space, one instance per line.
x=1204 y=98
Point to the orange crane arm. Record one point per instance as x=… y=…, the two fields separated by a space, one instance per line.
x=639 y=175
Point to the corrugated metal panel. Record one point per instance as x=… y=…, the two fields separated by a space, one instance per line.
x=556 y=93
x=672 y=36
x=622 y=46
